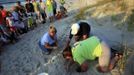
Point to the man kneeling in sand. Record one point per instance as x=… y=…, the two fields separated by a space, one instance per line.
x=90 y=49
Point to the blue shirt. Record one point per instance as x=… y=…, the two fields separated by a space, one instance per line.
x=47 y=39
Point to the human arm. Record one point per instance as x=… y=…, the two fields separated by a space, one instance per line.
x=83 y=67
x=49 y=46
x=82 y=62
x=68 y=40
x=56 y=40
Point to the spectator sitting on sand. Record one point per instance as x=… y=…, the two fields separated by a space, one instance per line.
x=58 y=15
x=21 y=10
x=2 y=22
x=3 y=12
x=63 y=11
x=49 y=41
x=17 y=22
x=3 y=28
x=90 y=49
x=10 y=22
x=29 y=7
x=10 y=25
x=80 y=31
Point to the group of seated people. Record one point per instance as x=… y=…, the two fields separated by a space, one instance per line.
x=86 y=47
x=20 y=19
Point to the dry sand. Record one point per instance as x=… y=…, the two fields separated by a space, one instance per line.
x=26 y=58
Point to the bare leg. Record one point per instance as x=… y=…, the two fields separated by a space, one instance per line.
x=104 y=59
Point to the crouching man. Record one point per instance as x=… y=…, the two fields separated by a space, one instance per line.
x=90 y=49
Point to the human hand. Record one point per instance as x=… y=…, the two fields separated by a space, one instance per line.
x=55 y=47
x=78 y=69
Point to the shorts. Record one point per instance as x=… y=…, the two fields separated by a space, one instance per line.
x=104 y=59
x=37 y=13
x=50 y=14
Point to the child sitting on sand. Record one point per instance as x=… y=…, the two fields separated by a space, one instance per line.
x=49 y=41
x=63 y=11
x=58 y=15
x=10 y=24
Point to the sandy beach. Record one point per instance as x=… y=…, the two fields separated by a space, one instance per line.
x=26 y=58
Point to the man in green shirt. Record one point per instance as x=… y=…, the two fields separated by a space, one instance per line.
x=90 y=49
x=86 y=49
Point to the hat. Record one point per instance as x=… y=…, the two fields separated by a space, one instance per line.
x=75 y=27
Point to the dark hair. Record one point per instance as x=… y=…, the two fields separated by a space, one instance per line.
x=1 y=7
x=8 y=12
x=18 y=2
x=67 y=49
x=86 y=25
x=52 y=28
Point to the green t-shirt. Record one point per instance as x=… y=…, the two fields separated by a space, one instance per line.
x=49 y=6
x=87 y=49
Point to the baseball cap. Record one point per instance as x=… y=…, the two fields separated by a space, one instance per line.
x=75 y=28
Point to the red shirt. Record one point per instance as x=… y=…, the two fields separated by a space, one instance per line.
x=4 y=13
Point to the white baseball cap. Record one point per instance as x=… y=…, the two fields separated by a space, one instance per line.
x=75 y=28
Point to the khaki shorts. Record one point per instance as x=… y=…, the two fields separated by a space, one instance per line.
x=104 y=59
